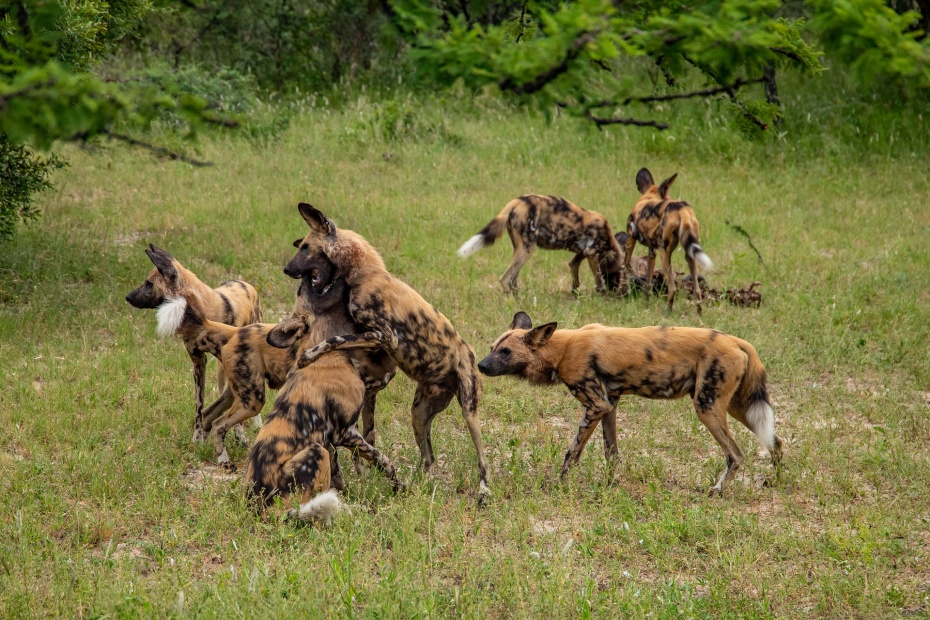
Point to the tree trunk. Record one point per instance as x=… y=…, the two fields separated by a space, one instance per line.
x=771 y=88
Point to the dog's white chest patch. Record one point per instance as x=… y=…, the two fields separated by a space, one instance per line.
x=171 y=315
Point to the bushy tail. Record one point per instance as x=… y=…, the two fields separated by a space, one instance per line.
x=489 y=234
x=689 y=241
x=322 y=507
x=755 y=398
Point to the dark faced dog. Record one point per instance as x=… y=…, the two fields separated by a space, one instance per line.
x=660 y=224
x=419 y=338
x=318 y=406
x=551 y=223
x=599 y=364
x=233 y=303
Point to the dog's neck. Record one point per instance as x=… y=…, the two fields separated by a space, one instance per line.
x=544 y=369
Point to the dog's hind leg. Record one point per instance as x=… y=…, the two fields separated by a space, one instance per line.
x=368 y=424
x=248 y=405
x=595 y=266
x=468 y=400
x=352 y=439
x=428 y=401
x=522 y=250
x=715 y=387
x=609 y=429
x=218 y=408
x=669 y=274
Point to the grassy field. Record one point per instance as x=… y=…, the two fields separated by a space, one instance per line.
x=107 y=510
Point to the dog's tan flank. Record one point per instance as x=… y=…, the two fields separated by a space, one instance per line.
x=660 y=224
x=551 y=223
x=233 y=303
x=599 y=364
x=419 y=338
x=317 y=407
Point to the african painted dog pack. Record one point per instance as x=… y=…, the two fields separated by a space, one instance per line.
x=354 y=324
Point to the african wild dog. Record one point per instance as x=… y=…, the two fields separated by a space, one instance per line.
x=552 y=223
x=637 y=282
x=661 y=224
x=233 y=303
x=419 y=338
x=250 y=359
x=318 y=406
x=599 y=364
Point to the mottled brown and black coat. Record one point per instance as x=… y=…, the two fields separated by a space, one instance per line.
x=552 y=223
x=233 y=303
x=661 y=224
x=317 y=407
x=419 y=338
x=599 y=364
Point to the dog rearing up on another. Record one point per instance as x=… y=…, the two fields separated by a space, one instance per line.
x=233 y=303
x=551 y=223
x=660 y=224
x=250 y=359
x=419 y=338
x=599 y=364
x=318 y=406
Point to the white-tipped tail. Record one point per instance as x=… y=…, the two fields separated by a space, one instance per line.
x=322 y=507
x=698 y=254
x=762 y=422
x=471 y=246
x=171 y=315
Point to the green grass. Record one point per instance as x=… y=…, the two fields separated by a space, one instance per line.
x=106 y=510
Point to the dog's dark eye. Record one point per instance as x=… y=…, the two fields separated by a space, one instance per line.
x=305 y=247
x=505 y=351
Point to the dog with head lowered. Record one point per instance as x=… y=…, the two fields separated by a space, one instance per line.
x=720 y=373
x=318 y=407
x=418 y=337
x=233 y=303
x=661 y=224
x=551 y=223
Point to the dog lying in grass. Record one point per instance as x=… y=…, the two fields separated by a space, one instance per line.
x=250 y=360
x=318 y=406
x=232 y=303
x=599 y=364
x=660 y=224
x=551 y=223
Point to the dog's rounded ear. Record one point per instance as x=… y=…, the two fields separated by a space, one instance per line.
x=521 y=320
x=316 y=220
x=297 y=243
x=164 y=262
x=667 y=183
x=539 y=336
x=644 y=180
x=286 y=333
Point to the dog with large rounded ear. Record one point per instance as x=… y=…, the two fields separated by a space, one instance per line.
x=644 y=180
x=163 y=261
x=539 y=336
x=521 y=320
x=286 y=333
x=316 y=220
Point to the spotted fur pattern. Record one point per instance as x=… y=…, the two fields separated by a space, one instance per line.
x=599 y=364
x=551 y=223
x=661 y=224
x=420 y=339
x=318 y=407
x=233 y=303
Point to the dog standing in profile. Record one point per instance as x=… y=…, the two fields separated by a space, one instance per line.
x=551 y=223
x=233 y=303
x=660 y=224
x=599 y=364
x=318 y=407
x=419 y=338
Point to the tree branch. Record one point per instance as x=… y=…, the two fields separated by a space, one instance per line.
x=731 y=88
x=603 y=122
x=535 y=85
x=154 y=148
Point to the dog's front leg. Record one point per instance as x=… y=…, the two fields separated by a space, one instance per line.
x=368 y=340
x=199 y=360
x=596 y=407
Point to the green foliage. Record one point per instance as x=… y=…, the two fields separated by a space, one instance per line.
x=24 y=175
